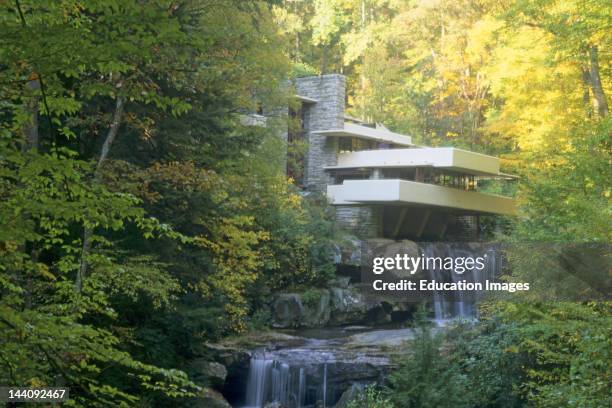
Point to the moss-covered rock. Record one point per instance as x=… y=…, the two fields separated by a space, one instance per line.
x=337 y=306
x=207 y=373
x=209 y=398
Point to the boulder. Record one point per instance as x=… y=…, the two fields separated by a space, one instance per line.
x=209 y=398
x=207 y=373
x=309 y=309
x=337 y=306
x=287 y=311
x=389 y=249
x=350 y=394
x=347 y=251
x=229 y=356
x=316 y=308
x=349 y=306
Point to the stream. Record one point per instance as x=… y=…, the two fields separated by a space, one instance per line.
x=324 y=367
x=323 y=364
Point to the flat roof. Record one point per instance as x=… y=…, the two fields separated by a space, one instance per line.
x=369 y=133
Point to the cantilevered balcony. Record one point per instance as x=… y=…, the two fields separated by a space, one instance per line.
x=368 y=133
x=448 y=158
x=412 y=193
x=427 y=177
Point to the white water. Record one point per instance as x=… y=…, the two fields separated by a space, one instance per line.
x=463 y=304
x=324 y=384
x=256 y=387
x=273 y=381
x=315 y=372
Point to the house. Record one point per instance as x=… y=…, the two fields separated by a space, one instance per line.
x=380 y=183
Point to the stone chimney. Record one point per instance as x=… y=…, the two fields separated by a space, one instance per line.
x=325 y=112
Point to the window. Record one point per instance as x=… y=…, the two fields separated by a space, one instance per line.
x=297 y=145
x=355 y=144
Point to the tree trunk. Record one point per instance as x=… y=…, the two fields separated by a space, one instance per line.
x=323 y=66
x=601 y=104
x=111 y=135
x=586 y=86
x=87 y=232
x=30 y=130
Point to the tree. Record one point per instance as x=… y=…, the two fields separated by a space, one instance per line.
x=82 y=85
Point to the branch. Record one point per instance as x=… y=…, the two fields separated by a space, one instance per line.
x=39 y=77
x=112 y=133
x=23 y=22
x=598 y=91
x=108 y=142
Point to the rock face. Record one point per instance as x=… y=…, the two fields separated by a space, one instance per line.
x=209 y=398
x=348 y=306
x=235 y=362
x=288 y=310
x=343 y=303
x=317 y=308
x=347 y=251
x=205 y=372
x=348 y=395
x=336 y=306
x=318 y=371
x=228 y=356
x=308 y=309
x=380 y=338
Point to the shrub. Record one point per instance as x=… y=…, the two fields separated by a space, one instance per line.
x=311 y=297
x=425 y=378
x=371 y=397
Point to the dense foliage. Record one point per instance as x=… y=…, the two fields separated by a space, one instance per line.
x=139 y=216
x=424 y=372
x=542 y=355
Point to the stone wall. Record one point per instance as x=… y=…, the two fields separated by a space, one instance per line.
x=326 y=114
x=464 y=228
x=361 y=220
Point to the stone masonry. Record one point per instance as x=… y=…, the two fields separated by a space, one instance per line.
x=362 y=220
x=328 y=113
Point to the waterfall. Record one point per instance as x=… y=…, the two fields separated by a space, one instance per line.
x=259 y=370
x=324 y=384
x=301 y=387
x=270 y=380
x=461 y=304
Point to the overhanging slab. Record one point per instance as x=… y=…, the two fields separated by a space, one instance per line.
x=421 y=194
x=438 y=157
x=369 y=133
